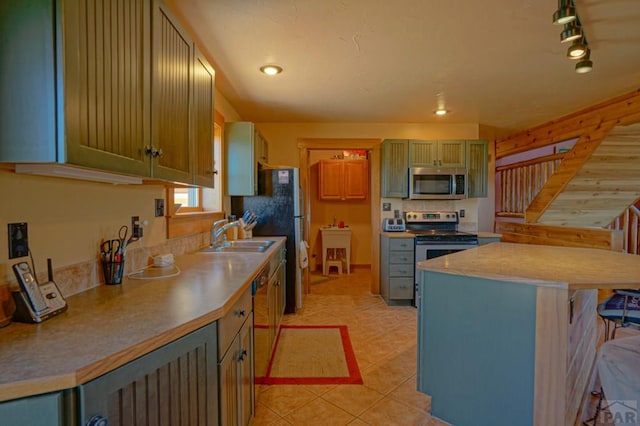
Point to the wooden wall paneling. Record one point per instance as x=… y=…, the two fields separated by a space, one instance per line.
x=560 y=235
x=550 y=361
x=624 y=109
x=567 y=169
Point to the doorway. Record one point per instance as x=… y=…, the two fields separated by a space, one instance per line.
x=312 y=149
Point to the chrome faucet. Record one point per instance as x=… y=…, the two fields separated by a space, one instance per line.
x=219 y=231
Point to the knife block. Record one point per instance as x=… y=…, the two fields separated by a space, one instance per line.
x=244 y=233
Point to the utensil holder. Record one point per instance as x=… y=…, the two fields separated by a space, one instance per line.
x=113 y=271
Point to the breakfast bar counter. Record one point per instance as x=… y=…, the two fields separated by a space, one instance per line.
x=109 y=326
x=507 y=333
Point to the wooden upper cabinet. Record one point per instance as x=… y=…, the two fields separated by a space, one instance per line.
x=477 y=168
x=172 y=74
x=343 y=179
x=87 y=71
x=395 y=165
x=203 y=87
x=442 y=153
x=244 y=148
x=106 y=89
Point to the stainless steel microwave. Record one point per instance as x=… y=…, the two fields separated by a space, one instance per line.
x=444 y=183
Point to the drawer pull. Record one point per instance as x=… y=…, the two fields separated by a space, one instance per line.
x=241 y=313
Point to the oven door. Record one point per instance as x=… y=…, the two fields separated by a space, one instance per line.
x=430 y=251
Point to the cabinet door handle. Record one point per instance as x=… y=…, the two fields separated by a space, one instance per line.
x=571 y=303
x=153 y=152
x=241 y=313
x=97 y=421
x=242 y=355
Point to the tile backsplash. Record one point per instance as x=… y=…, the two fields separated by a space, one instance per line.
x=76 y=278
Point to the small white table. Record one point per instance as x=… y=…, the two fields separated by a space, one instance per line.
x=334 y=238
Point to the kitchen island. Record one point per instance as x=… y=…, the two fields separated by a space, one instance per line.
x=109 y=326
x=507 y=333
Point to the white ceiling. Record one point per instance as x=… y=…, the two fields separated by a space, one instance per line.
x=497 y=63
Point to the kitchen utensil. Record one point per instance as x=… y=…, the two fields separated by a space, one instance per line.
x=110 y=250
x=122 y=235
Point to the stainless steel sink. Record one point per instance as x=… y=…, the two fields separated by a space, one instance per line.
x=251 y=246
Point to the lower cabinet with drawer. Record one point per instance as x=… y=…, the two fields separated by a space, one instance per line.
x=397 y=270
x=235 y=363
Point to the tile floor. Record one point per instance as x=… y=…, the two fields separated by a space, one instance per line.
x=384 y=341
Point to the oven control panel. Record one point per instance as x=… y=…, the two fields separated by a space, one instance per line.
x=432 y=216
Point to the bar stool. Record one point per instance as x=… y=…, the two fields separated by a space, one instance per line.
x=338 y=242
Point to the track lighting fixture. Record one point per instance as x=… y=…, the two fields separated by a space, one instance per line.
x=585 y=65
x=572 y=31
x=566 y=12
x=567 y=15
x=578 y=49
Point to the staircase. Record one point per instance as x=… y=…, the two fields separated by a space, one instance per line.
x=576 y=198
x=601 y=186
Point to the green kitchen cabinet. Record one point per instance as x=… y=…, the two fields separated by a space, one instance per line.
x=40 y=410
x=437 y=153
x=477 y=168
x=202 y=121
x=394 y=168
x=92 y=105
x=397 y=265
x=245 y=147
x=176 y=383
x=235 y=363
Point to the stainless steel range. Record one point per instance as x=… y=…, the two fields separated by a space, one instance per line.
x=436 y=234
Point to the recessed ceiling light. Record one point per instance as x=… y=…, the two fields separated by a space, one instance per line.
x=271 y=69
x=441 y=111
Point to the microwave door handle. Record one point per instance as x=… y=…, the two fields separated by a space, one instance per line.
x=453 y=185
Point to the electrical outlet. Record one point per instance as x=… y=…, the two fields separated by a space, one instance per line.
x=461 y=212
x=386 y=207
x=159 y=207
x=136 y=230
x=18 y=240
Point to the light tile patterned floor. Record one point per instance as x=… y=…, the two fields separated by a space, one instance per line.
x=384 y=341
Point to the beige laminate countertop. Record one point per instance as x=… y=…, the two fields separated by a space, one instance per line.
x=567 y=267
x=108 y=326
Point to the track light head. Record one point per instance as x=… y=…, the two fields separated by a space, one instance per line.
x=566 y=12
x=578 y=49
x=571 y=32
x=585 y=65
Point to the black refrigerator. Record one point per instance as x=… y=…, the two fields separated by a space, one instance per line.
x=279 y=207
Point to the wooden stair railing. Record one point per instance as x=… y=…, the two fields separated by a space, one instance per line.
x=520 y=182
x=629 y=224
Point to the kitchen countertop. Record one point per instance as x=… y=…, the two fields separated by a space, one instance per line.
x=398 y=234
x=482 y=234
x=108 y=326
x=567 y=267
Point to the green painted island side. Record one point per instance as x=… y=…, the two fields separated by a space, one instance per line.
x=476 y=349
